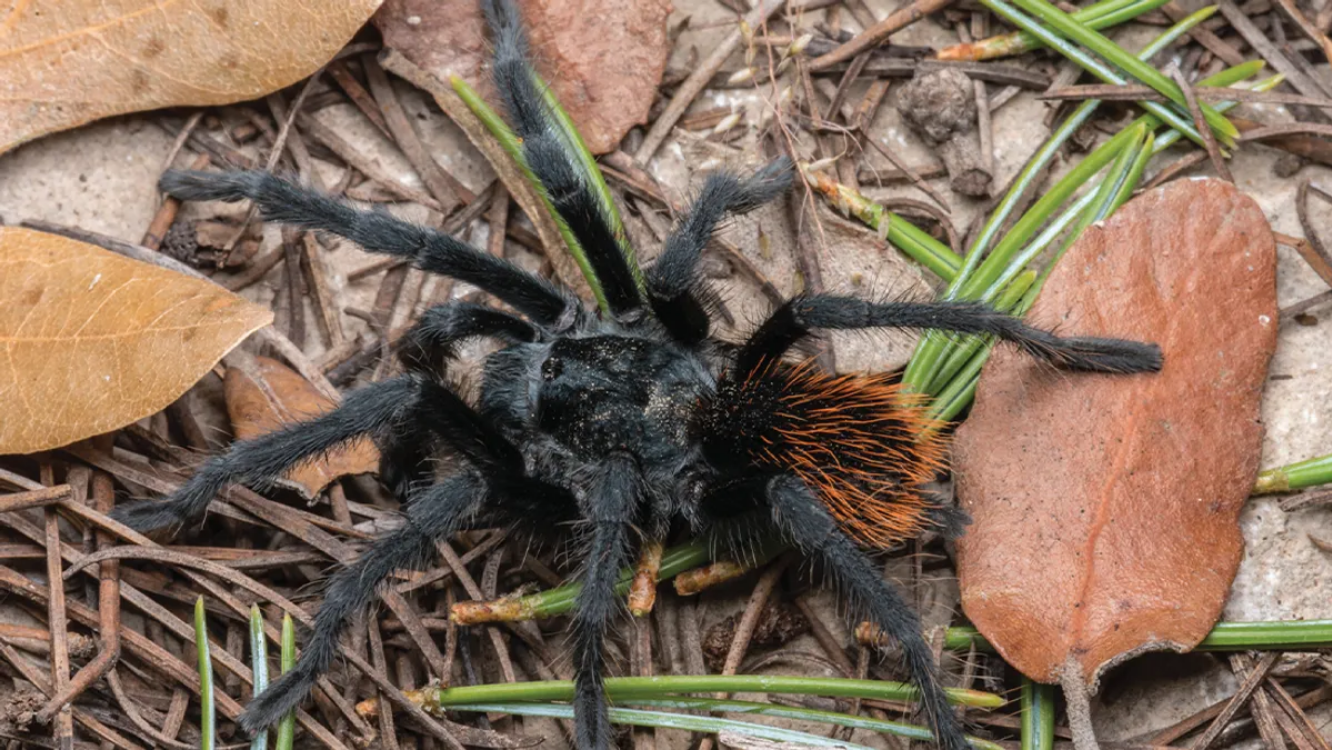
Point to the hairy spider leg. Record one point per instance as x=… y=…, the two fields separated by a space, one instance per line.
x=369 y=410
x=609 y=509
x=439 y=511
x=675 y=292
x=800 y=516
x=553 y=161
x=429 y=344
x=795 y=319
x=427 y=348
x=378 y=232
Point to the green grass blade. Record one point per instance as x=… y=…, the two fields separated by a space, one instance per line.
x=1037 y=730
x=904 y=235
x=258 y=666
x=592 y=175
x=559 y=600
x=286 y=736
x=638 y=718
x=1291 y=635
x=207 y=705
x=1309 y=473
x=896 y=728
x=1101 y=15
x=1097 y=68
x=510 y=143
x=1116 y=55
x=1273 y=635
x=630 y=688
x=922 y=367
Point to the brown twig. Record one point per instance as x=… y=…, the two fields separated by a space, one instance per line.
x=108 y=607
x=1134 y=93
x=872 y=36
x=1311 y=234
x=448 y=191
x=1209 y=139
x=740 y=642
x=1268 y=50
x=1247 y=686
x=699 y=80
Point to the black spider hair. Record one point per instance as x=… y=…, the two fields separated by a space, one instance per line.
x=617 y=425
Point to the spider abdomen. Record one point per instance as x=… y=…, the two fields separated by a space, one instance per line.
x=861 y=444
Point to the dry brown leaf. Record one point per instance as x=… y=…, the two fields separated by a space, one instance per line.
x=603 y=58
x=285 y=397
x=67 y=62
x=94 y=341
x=1105 y=507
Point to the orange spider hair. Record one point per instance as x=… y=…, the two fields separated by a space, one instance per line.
x=862 y=444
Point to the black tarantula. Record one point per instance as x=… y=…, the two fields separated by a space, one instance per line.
x=617 y=424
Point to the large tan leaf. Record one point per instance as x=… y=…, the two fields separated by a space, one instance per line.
x=93 y=341
x=257 y=408
x=1105 y=507
x=603 y=58
x=67 y=62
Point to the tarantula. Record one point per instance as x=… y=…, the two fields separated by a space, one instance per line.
x=613 y=426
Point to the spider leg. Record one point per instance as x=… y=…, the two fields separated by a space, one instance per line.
x=378 y=232
x=365 y=411
x=609 y=509
x=552 y=161
x=799 y=514
x=426 y=348
x=673 y=284
x=438 y=512
x=429 y=343
x=794 y=320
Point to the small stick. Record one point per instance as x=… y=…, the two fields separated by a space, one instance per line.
x=1292 y=128
x=448 y=191
x=318 y=280
x=1319 y=262
x=166 y=213
x=108 y=607
x=1210 y=41
x=474 y=591
x=740 y=642
x=1268 y=50
x=872 y=36
x=362 y=163
x=1111 y=92
x=698 y=80
x=63 y=724
x=1209 y=140
x=359 y=96
x=1311 y=235
x=1247 y=686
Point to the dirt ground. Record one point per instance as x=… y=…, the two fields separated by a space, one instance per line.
x=101 y=178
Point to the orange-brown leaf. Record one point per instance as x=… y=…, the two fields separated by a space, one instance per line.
x=93 y=341
x=285 y=397
x=1105 y=507
x=603 y=58
x=67 y=62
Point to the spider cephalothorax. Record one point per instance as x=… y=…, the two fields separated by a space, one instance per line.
x=615 y=425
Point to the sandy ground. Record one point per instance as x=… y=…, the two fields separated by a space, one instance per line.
x=101 y=178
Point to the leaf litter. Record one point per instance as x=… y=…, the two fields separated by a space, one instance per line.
x=355 y=508
x=68 y=62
